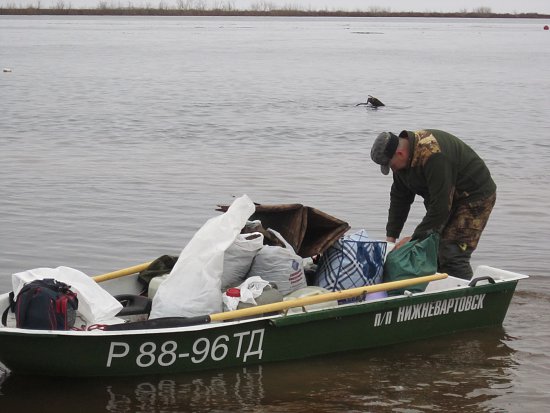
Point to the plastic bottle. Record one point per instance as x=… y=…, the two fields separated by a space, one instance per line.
x=233 y=292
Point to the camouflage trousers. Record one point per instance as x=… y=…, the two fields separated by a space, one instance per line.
x=461 y=235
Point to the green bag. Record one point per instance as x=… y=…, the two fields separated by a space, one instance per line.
x=414 y=259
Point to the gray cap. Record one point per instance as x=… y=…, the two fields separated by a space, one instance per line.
x=383 y=149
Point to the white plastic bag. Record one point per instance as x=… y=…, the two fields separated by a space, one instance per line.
x=238 y=258
x=250 y=289
x=94 y=303
x=193 y=287
x=281 y=266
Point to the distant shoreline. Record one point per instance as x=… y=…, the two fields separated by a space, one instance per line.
x=131 y=11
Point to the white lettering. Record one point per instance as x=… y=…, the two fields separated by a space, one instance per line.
x=437 y=308
x=450 y=305
x=408 y=313
x=401 y=313
x=241 y=336
x=167 y=353
x=445 y=307
x=199 y=350
x=146 y=354
x=461 y=304
x=259 y=351
x=432 y=309
x=425 y=309
x=219 y=346
x=431 y=312
x=112 y=354
x=384 y=318
x=480 y=303
x=416 y=311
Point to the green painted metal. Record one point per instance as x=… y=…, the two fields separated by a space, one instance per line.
x=221 y=345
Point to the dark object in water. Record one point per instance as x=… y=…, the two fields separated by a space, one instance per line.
x=374 y=102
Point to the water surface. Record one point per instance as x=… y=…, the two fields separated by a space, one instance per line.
x=120 y=135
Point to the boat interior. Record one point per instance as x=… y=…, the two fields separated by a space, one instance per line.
x=137 y=304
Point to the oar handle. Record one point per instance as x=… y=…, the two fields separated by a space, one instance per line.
x=334 y=296
x=122 y=273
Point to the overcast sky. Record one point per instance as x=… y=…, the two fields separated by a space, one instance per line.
x=496 y=6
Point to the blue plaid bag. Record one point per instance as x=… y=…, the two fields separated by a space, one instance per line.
x=352 y=261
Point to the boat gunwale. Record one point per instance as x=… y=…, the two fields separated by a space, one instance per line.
x=298 y=318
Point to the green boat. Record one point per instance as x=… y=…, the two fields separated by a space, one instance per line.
x=262 y=334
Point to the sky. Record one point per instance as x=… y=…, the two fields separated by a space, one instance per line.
x=496 y=6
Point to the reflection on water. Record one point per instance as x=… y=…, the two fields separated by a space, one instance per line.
x=464 y=371
x=234 y=390
x=467 y=370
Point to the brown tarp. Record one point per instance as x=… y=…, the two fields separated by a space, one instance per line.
x=308 y=230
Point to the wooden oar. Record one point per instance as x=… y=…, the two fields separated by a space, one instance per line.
x=122 y=273
x=335 y=296
x=173 y=322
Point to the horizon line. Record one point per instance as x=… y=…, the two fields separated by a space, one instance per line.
x=164 y=10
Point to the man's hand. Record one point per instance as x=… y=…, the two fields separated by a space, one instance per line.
x=402 y=242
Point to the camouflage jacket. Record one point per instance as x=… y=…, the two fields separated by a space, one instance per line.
x=445 y=172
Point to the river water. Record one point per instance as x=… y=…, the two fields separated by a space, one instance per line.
x=120 y=135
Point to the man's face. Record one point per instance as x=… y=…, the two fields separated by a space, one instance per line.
x=399 y=159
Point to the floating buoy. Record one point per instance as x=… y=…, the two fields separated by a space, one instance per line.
x=7 y=70
x=546 y=27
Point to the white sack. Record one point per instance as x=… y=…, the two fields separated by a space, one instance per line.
x=94 y=303
x=238 y=258
x=193 y=287
x=281 y=266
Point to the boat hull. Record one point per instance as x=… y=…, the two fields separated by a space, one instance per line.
x=261 y=340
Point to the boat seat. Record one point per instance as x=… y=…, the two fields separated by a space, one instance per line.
x=134 y=304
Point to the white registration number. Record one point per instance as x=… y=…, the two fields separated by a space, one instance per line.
x=248 y=344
